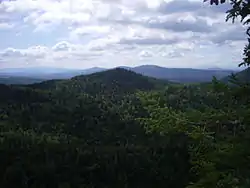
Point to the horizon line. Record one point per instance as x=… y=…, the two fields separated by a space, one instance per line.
x=121 y=66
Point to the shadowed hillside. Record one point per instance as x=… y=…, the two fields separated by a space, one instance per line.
x=242 y=76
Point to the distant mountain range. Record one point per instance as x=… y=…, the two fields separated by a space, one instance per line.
x=46 y=73
x=181 y=75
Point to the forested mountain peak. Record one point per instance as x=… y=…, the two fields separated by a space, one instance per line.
x=114 y=81
x=116 y=73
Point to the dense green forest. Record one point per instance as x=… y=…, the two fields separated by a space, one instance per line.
x=120 y=129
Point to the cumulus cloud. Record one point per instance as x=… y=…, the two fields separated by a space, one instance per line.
x=148 y=41
x=6 y=26
x=62 y=46
x=181 y=25
x=145 y=54
x=110 y=32
x=11 y=53
x=232 y=34
x=179 y=6
x=34 y=52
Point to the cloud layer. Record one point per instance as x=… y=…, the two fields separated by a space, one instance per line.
x=108 y=33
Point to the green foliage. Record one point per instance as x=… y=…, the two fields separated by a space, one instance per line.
x=121 y=129
x=240 y=9
x=216 y=131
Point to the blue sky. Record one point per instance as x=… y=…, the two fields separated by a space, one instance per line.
x=109 y=33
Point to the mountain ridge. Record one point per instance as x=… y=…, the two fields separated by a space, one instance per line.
x=116 y=80
x=181 y=75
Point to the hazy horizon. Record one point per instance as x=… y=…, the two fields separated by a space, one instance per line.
x=121 y=66
x=58 y=69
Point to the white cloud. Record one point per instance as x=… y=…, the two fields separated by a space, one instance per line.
x=145 y=54
x=112 y=32
x=62 y=46
x=34 y=52
x=11 y=53
x=6 y=26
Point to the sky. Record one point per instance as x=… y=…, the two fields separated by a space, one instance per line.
x=109 y=33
